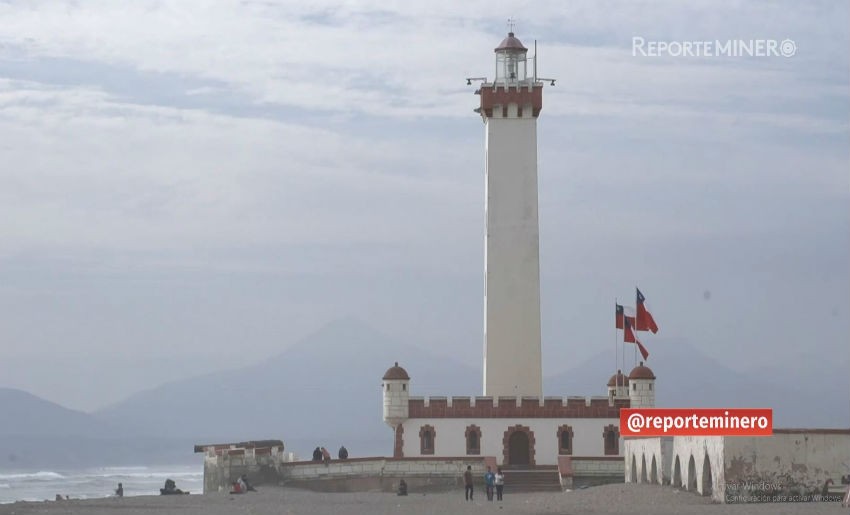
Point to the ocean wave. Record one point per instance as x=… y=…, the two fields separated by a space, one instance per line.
x=5 y=485
x=45 y=476
x=148 y=475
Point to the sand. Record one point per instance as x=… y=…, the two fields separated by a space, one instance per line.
x=619 y=499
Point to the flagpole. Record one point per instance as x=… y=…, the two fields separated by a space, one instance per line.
x=636 y=325
x=616 y=354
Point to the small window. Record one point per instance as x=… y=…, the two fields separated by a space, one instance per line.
x=650 y=386
x=388 y=386
x=473 y=440
x=427 y=436
x=611 y=440
x=634 y=386
x=403 y=387
x=565 y=440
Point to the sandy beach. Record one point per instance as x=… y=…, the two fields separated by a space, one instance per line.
x=609 y=499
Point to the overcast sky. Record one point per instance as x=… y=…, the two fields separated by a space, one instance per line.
x=186 y=185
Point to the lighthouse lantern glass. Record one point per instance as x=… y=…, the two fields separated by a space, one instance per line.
x=510 y=66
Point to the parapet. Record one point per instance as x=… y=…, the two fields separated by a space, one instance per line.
x=515 y=407
x=256 y=447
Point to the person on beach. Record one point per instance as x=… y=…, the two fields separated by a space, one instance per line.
x=500 y=483
x=489 y=482
x=119 y=492
x=317 y=454
x=343 y=453
x=326 y=456
x=467 y=483
x=248 y=486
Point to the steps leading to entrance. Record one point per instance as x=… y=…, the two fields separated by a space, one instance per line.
x=536 y=479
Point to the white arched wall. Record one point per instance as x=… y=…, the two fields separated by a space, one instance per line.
x=643 y=450
x=699 y=447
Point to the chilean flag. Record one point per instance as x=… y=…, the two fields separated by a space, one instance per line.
x=630 y=337
x=645 y=322
x=621 y=314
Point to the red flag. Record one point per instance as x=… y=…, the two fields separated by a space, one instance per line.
x=645 y=322
x=630 y=337
x=621 y=313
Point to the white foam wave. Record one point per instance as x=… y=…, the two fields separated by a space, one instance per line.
x=43 y=475
x=149 y=475
x=4 y=485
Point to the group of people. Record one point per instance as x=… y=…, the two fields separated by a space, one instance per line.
x=241 y=485
x=322 y=454
x=492 y=482
x=170 y=488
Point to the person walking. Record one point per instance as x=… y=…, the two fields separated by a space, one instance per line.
x=500 y=483
x=119 y=492
x=467 y=483
x=489 y=482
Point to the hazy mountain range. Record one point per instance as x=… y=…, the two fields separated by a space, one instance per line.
x=325 y=390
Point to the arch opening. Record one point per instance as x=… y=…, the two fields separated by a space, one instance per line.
x=677 y=474
x=707 y=483
x=643 y=468
x=692 y=475
x=653 y=473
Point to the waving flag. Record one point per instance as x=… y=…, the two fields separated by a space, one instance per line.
x=629 y=336
x=622 y=313
x=645 y=322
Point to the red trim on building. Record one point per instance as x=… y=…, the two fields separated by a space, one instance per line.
x=502 y=96
x=506 y=447
x=398 y=446
x=507 y=408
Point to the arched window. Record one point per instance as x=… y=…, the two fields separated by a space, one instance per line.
x=473 y=439
x=565 y=440
x=611 y=438
x=427 y=436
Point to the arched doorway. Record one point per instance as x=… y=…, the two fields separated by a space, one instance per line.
x=707 y=483
x=634 y=470
x=692 y=475
x=653 y=475
x=677 y=474
x=643 y=468
x=518 y=449
x=518 y=446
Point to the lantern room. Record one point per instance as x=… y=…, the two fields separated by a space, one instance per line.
x=511 y=61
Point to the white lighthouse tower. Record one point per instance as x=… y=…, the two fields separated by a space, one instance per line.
x=510 y=105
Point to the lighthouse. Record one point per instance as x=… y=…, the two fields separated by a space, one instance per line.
x=510 y=105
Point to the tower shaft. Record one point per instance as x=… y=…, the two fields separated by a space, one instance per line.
x=512 y=353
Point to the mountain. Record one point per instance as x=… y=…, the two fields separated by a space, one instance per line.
x=25 y=414
x=688 y=378
x=323 y=390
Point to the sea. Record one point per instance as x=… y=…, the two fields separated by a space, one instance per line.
x=96 y=482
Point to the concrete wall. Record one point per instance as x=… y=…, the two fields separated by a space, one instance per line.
x=512 y=355
x=381 y=474
x=790 y=462
x=221 y=470
x=450 y=439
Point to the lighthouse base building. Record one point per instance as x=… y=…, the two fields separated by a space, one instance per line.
x=515 y=431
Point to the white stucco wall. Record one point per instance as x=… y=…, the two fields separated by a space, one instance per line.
x=512 y=356
x=451 y=441
x=642 y=393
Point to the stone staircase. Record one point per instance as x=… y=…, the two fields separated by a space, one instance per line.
x=541 y=478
